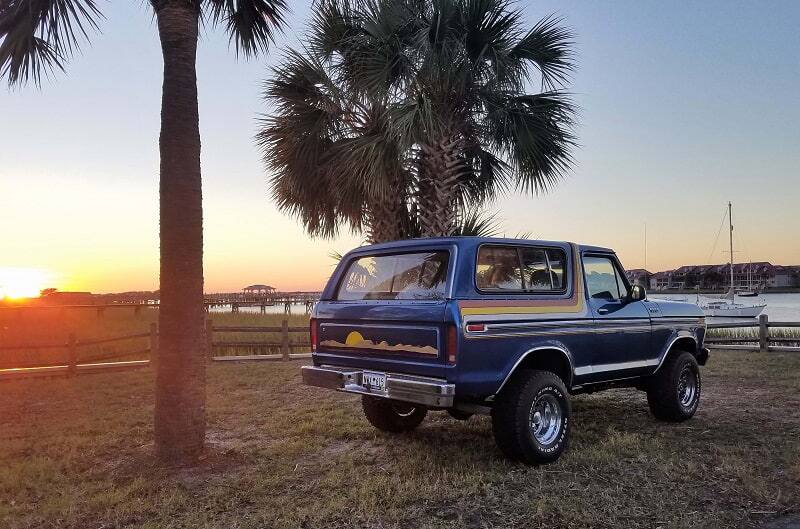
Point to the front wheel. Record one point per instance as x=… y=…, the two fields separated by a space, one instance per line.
x=673 y=393
x=392 y=415
x=531 y=418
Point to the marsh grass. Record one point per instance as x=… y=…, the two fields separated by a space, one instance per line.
x=76 y=453
x=53 y=327
x=789 y=336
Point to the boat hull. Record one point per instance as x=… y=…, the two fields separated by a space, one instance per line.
x=734 y=312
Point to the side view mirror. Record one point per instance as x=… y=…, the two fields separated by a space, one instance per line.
x=638 y=293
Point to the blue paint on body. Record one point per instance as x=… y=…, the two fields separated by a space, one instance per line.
x=602 y=339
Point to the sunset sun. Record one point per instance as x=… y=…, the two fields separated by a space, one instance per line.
x=16 y=283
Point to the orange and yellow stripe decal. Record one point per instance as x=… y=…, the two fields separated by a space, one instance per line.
x=573 y=304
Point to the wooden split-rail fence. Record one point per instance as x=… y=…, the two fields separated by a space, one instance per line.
x=762 y=341
x=71 y=363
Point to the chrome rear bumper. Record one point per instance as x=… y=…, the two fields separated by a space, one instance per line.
x=407 y=388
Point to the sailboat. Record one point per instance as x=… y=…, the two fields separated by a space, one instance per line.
x=726 y=307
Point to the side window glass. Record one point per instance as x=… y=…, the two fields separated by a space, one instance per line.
x=535 y=271
x=557 y=259
x=498 y=269
x=601 y=278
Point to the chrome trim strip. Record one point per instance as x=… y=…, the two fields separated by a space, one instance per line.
x=538 y=324
x=541 y=348
x=620 y=366
x=557 y=330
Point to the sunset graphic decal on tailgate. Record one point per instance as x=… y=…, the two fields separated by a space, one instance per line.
x=355 y=340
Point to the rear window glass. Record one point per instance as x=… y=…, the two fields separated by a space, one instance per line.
x=420 y=275
x=520 y=268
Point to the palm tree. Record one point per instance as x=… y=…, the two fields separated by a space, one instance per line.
x=444 y=84
x=333 y=157
x=38 y=36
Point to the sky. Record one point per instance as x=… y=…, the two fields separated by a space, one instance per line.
x=683 y=106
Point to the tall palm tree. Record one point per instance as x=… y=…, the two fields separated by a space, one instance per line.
x=38 y=36
x=450 y=82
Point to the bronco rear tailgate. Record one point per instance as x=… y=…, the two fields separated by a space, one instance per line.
x=394 y=337
x=387 y=311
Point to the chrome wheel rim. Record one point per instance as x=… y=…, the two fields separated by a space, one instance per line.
x=403 y=410
x=687 y=386
x=545 y=419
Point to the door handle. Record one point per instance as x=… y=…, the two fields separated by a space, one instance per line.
x=602 y=311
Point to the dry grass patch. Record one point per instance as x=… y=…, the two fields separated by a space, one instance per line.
x=77 y=453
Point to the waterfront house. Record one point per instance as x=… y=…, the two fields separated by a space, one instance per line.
x=639 y=276
x=759 y=275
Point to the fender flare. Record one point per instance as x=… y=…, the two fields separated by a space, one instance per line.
x=686 y=336
x=563 y=351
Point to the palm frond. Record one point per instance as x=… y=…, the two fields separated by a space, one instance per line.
x=535 y=134
x=251 y=24
x=549 y=46
x=39 y=36
x=477 y=223
x=326 y=147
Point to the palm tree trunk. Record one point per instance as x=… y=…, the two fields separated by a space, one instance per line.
x=387 y=216
x=440 y=169
x=180 y=419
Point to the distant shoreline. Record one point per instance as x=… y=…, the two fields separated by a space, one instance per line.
x=786 y=290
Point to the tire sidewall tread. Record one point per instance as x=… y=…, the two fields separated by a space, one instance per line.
x=511 y=413
x=381 y=414
x=662 y=391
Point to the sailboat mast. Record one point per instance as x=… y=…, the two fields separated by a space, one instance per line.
x=645 y=246
x=730 y=223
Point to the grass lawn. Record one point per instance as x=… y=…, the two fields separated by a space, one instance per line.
x=77 y=453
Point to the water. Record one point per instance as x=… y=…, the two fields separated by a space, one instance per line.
x=780 y=307
x=297 y=308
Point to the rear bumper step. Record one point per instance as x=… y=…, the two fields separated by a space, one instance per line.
x=407 y=388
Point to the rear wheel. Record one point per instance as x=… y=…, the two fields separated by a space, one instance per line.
x=531 y=418
x=458 y=414
x=392 y=415
x=673 y=393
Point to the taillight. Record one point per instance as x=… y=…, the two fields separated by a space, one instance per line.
x=313 y=330
x=452 y=344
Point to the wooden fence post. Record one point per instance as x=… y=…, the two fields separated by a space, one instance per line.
x=209 y=339
x=72 y=355
x=763 y=333
x=285 y=339
x=153 y=344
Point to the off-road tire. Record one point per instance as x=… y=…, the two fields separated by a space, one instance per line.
x=513 y=417
x=667 y=393
x=458 y=414
x=392 y=415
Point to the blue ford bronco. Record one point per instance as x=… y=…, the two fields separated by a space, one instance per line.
x=505 y=327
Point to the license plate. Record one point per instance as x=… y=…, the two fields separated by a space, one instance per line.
x=374 y=381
